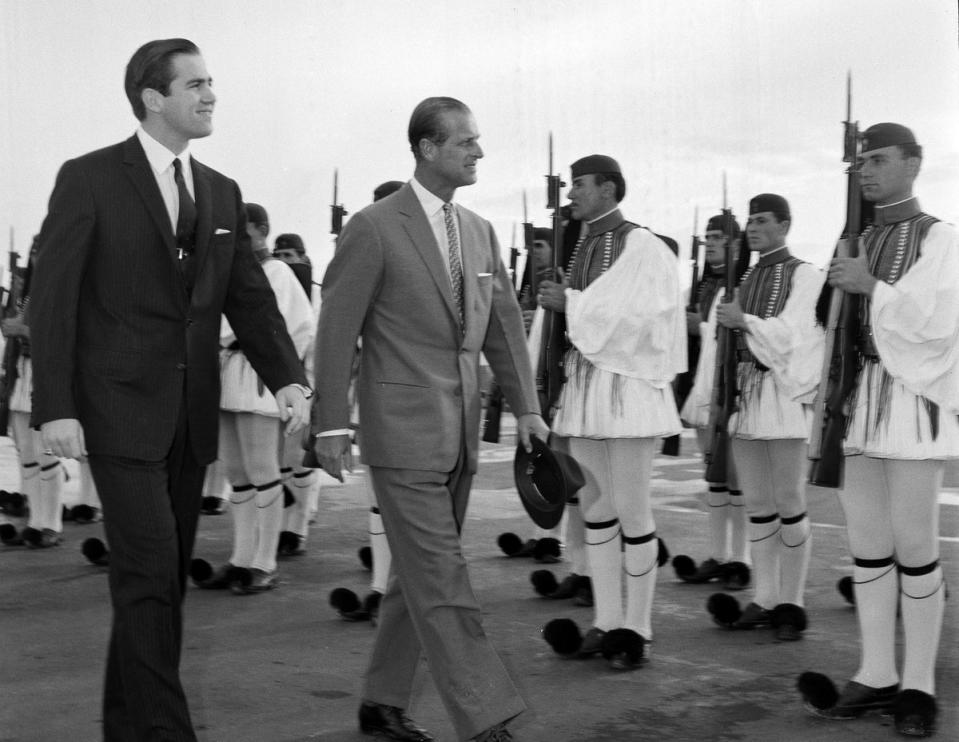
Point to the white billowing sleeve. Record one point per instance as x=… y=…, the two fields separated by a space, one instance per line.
x=631 y=320
x=293 y=304
x=791 y=344
x=915 y=322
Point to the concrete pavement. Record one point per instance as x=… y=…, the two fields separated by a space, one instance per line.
x=282 y=667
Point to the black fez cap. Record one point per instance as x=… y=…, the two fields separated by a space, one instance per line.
x=256 y=214
x=878 y=136
x=595 y=164
x=385 y=189
x=289 y=242
x=770 y=202
x=543 y=233
x=717 y=223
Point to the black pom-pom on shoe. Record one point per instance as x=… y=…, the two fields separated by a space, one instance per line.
x=914 y=713
x=847 y=589
x=289 y=544
x=211 y=505
x=724 y=609
x=736 y=575
x=789 y=621
x=684 y=566
x=623 y=649
x=10 y=536
x=544 y=582
x=546 y=550
x=83 y=514
x=817 y=690
x=200 y=570
x=662 y=554
x=366 y=557
x=344 y=600
x=513 y=546
x=564 y=636
x=96 y=552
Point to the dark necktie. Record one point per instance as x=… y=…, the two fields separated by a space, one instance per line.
x=185 y=227
x=456 y=262
x=186 y=220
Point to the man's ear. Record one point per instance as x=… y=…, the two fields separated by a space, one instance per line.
x=152 y=99
x=427 y=149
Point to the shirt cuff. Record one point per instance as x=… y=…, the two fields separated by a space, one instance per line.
x=331 y=433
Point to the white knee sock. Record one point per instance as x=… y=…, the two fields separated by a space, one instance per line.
x=796 y=539
x=717 y=506
x=380 y=548
x=49 y=497
x=605 y=557
x=88 y=488
x=575 y=539
x=296 y=518
x=876 y=585
x=640 y=556
x=765 y=547
x=29 y=479
x=738 y=545
x=269 y=519
x=243 y=508
x=922 y=601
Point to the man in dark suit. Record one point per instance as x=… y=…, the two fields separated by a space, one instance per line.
x=142 y=250
x=422 y=281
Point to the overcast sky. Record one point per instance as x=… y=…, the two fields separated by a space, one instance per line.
x=678 y=92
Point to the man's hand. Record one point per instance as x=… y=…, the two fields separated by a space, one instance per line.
x=294 y=408
x=335 y=453
x=731 y=314
x=63 y=438
x=852 y=275
x=531 y=424
x=693 y=320
x=552 y=294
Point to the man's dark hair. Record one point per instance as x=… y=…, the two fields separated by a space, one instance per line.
x=427 y=122
x=911 y=150
x=614 y=178
x=151 y=66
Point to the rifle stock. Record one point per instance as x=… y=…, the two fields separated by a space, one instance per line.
x=12 y=346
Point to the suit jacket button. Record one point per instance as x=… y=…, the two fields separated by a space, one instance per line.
x=181 y=367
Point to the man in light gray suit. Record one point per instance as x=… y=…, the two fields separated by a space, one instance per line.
x=421 y=280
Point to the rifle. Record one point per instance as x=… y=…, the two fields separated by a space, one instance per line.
x=683 y=383
x=841 y=362
x=724 y=384
x=12 y=346
x=494 y=402
x=549 y=368
x=336 y=209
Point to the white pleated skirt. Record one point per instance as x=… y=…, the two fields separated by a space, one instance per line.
x=599 y=404
x=894 y=423
x=765 y=411
x=23 y=387
x=240 y=387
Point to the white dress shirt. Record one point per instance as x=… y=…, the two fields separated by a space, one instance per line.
x=161 y=162
x=433 y=208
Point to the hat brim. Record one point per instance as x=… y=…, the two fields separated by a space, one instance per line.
x=545 y=480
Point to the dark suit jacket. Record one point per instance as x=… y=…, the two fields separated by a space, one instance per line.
x=419 y=377
x=117 y=336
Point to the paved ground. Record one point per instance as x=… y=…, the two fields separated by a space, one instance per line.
x=282 y=667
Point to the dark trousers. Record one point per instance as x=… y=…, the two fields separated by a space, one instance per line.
x=150 y=512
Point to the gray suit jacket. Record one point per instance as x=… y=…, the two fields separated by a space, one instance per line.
x=418 y=385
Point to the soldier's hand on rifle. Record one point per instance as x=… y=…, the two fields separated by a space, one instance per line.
x=63 y=438
x=851 y=275
x=730 y=314
x=693 y=320
x=13 y=327
x=531 y=424
x=552 y=294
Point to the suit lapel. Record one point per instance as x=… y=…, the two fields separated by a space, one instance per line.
x=471 y=239
x=139 y=171
x=204 y=212
x=420 y=232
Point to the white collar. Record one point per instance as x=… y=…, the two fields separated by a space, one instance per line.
x=159 y=157
x=431 y=203
x=602 y=215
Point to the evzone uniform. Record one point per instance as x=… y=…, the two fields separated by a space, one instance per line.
x=250 y=444
x=626 y=326
x=779 y=364
x=724 y=500
x=903 y=427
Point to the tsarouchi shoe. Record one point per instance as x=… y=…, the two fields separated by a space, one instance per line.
x=252 y=581
x=855 y=700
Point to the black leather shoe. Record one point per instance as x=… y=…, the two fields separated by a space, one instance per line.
x=753 y=617
x=855 y=700
x=915 y=713
x=390 y=722
x=592 y=643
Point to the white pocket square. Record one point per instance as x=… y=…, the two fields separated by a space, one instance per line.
x=483 y=275
x=222 y=231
